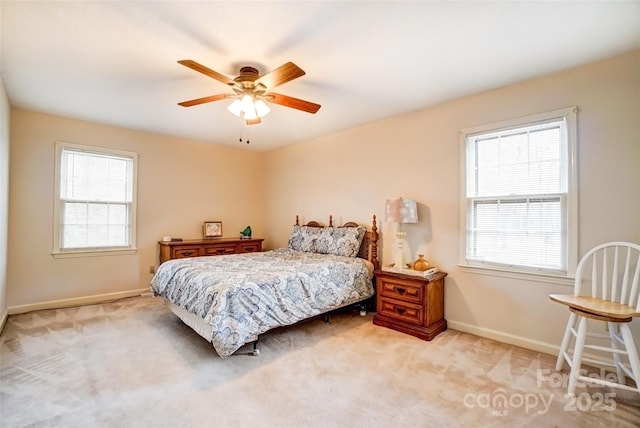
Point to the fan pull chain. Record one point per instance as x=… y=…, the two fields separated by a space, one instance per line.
x=244 y=129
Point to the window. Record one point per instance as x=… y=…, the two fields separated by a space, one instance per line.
x=519 y=207
x=95 y=202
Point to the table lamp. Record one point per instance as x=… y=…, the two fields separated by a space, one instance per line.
x=400 y=211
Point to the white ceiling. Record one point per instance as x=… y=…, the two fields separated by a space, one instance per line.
x=115 y=62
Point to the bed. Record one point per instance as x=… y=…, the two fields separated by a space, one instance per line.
x=230 y=300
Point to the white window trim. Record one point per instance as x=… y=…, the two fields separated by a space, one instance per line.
x=58 y=252
x=569 y=115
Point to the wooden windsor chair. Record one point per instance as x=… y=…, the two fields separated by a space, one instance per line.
x=606 y=289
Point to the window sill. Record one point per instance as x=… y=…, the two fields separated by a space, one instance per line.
x=92 y=253
x=526 y=276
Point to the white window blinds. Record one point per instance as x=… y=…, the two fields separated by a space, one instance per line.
x=517 y=184
x=96 y=197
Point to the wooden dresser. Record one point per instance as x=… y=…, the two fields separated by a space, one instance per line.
x=207 y=247
x=410 y=303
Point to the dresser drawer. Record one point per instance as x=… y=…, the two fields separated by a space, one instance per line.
x=217 y=250
x=251 y=247
x=182 y=252
x=402 y=311
x=402 y=290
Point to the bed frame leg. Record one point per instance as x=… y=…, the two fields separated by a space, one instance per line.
x=256 y=351
x=327 y=318
x=362 y=308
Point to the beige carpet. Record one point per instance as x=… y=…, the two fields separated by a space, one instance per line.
x=132 y=363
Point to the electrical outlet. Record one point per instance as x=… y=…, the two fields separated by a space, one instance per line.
x=152 y=269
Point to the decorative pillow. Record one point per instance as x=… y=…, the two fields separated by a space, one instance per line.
x=340 y=241
x=303 y=238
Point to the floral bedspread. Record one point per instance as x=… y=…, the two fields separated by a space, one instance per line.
x=244 y=295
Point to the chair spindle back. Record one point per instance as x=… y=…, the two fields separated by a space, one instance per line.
x=614 y=273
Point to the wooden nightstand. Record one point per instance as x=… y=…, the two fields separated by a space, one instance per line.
x=410 y=303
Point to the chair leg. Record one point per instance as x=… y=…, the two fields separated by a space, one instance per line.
x=566 y=339
x=577 y=355
x=613 y=331
x=632 y=352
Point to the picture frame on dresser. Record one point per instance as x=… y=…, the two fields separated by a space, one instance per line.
x=212 y=229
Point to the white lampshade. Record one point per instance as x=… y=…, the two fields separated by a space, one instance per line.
x=250 y=114
x=248 y=108
x=261 y=108
x=400 y=211
x=251 y=108
x=235 y=107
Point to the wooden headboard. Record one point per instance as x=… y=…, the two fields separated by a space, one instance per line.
x=368 y=248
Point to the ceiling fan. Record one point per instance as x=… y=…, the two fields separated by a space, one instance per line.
x=252 y=90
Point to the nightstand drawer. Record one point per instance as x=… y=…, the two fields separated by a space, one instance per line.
x=402 y=311
x=402 y=290
x=217 y=250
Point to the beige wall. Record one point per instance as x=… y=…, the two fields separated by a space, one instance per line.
x=347 y=174
x=4 y=197
x=417 y=155
x=181 y=184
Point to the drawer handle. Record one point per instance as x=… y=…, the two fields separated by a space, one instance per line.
x=400 y=290
x=249 y=249
x=399 y=310
x=220 y=250
x=187 y=253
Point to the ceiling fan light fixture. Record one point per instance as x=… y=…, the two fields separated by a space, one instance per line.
x=235 y=107
x=252 y=90
x=247 y=103
x=250 y=115
x=248 y=108
x=262 y=109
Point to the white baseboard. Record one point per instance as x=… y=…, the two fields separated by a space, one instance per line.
x=4 y=319
x=534 y=345
x=522 y=342
x=76 y=301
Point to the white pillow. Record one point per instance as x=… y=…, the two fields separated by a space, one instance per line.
x=303 y=238
x=340 y=241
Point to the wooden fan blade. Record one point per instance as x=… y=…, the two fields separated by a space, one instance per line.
x=283 y=74
x=296 y=103
x=253 y=121
x=205 y=100
x=206 y=71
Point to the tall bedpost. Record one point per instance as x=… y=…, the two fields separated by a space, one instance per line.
x=297 y=220
x=374 y=244
x=330 y=220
